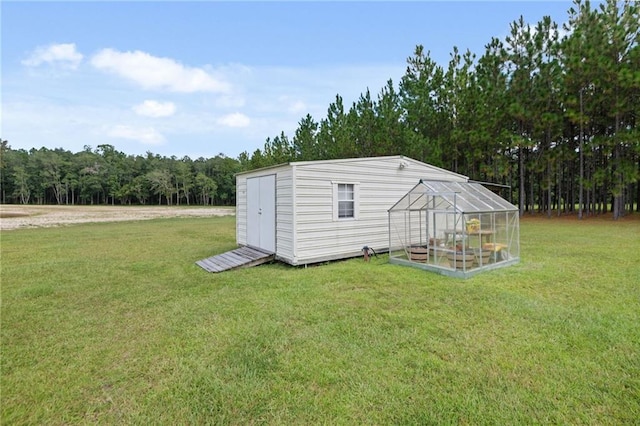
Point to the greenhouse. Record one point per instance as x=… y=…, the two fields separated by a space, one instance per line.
x=454 y=228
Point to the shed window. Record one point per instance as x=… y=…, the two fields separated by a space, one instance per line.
x=346 y=201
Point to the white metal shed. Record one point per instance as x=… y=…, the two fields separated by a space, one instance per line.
x=314 y=211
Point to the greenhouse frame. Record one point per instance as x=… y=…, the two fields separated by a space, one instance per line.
x=454 y=228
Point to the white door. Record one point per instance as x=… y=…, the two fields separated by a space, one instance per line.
x=261 y=212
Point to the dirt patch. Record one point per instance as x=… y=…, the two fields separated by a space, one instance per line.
x=18 y=216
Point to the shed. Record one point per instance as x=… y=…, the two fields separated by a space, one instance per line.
x=454 y=228
x=314 y=211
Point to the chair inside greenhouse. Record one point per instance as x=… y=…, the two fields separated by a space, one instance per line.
x=453 y=228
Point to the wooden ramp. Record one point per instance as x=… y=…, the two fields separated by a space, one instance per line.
x=243 y=257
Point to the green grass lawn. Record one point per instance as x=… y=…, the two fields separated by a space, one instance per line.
x=114 y=323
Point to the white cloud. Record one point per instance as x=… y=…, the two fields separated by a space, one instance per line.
x=297 y=107
x=145 y=135
x=261 y=102
x=291 y=104
x=234 y=120
x=152 y=72
x=155 y=109
x=64 y=54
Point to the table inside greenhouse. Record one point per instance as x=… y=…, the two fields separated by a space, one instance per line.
x=455 y=235
x=484 y=235
x=452 y=235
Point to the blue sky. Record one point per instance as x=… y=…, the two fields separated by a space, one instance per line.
x=203 y=78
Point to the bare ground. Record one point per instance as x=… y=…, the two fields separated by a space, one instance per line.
x=19 y=216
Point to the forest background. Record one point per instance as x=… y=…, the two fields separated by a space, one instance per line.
x=549 y=111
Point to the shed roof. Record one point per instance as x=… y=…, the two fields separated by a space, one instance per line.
x=463 y=197
x=352 y=160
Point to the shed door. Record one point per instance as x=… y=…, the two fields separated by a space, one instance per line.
x=261 y=212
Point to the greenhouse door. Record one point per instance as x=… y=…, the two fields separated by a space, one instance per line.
x=261 y=212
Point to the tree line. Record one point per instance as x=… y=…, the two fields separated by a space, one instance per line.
x=551 y=111
x=105 y=175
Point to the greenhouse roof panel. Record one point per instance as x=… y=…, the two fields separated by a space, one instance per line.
x=464 y=197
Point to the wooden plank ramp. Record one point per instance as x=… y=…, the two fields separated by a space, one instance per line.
x=243 y=257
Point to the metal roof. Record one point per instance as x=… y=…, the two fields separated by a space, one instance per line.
x=349 y=160
x=463 y=197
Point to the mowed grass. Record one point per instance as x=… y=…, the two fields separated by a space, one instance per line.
x=114 y=323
